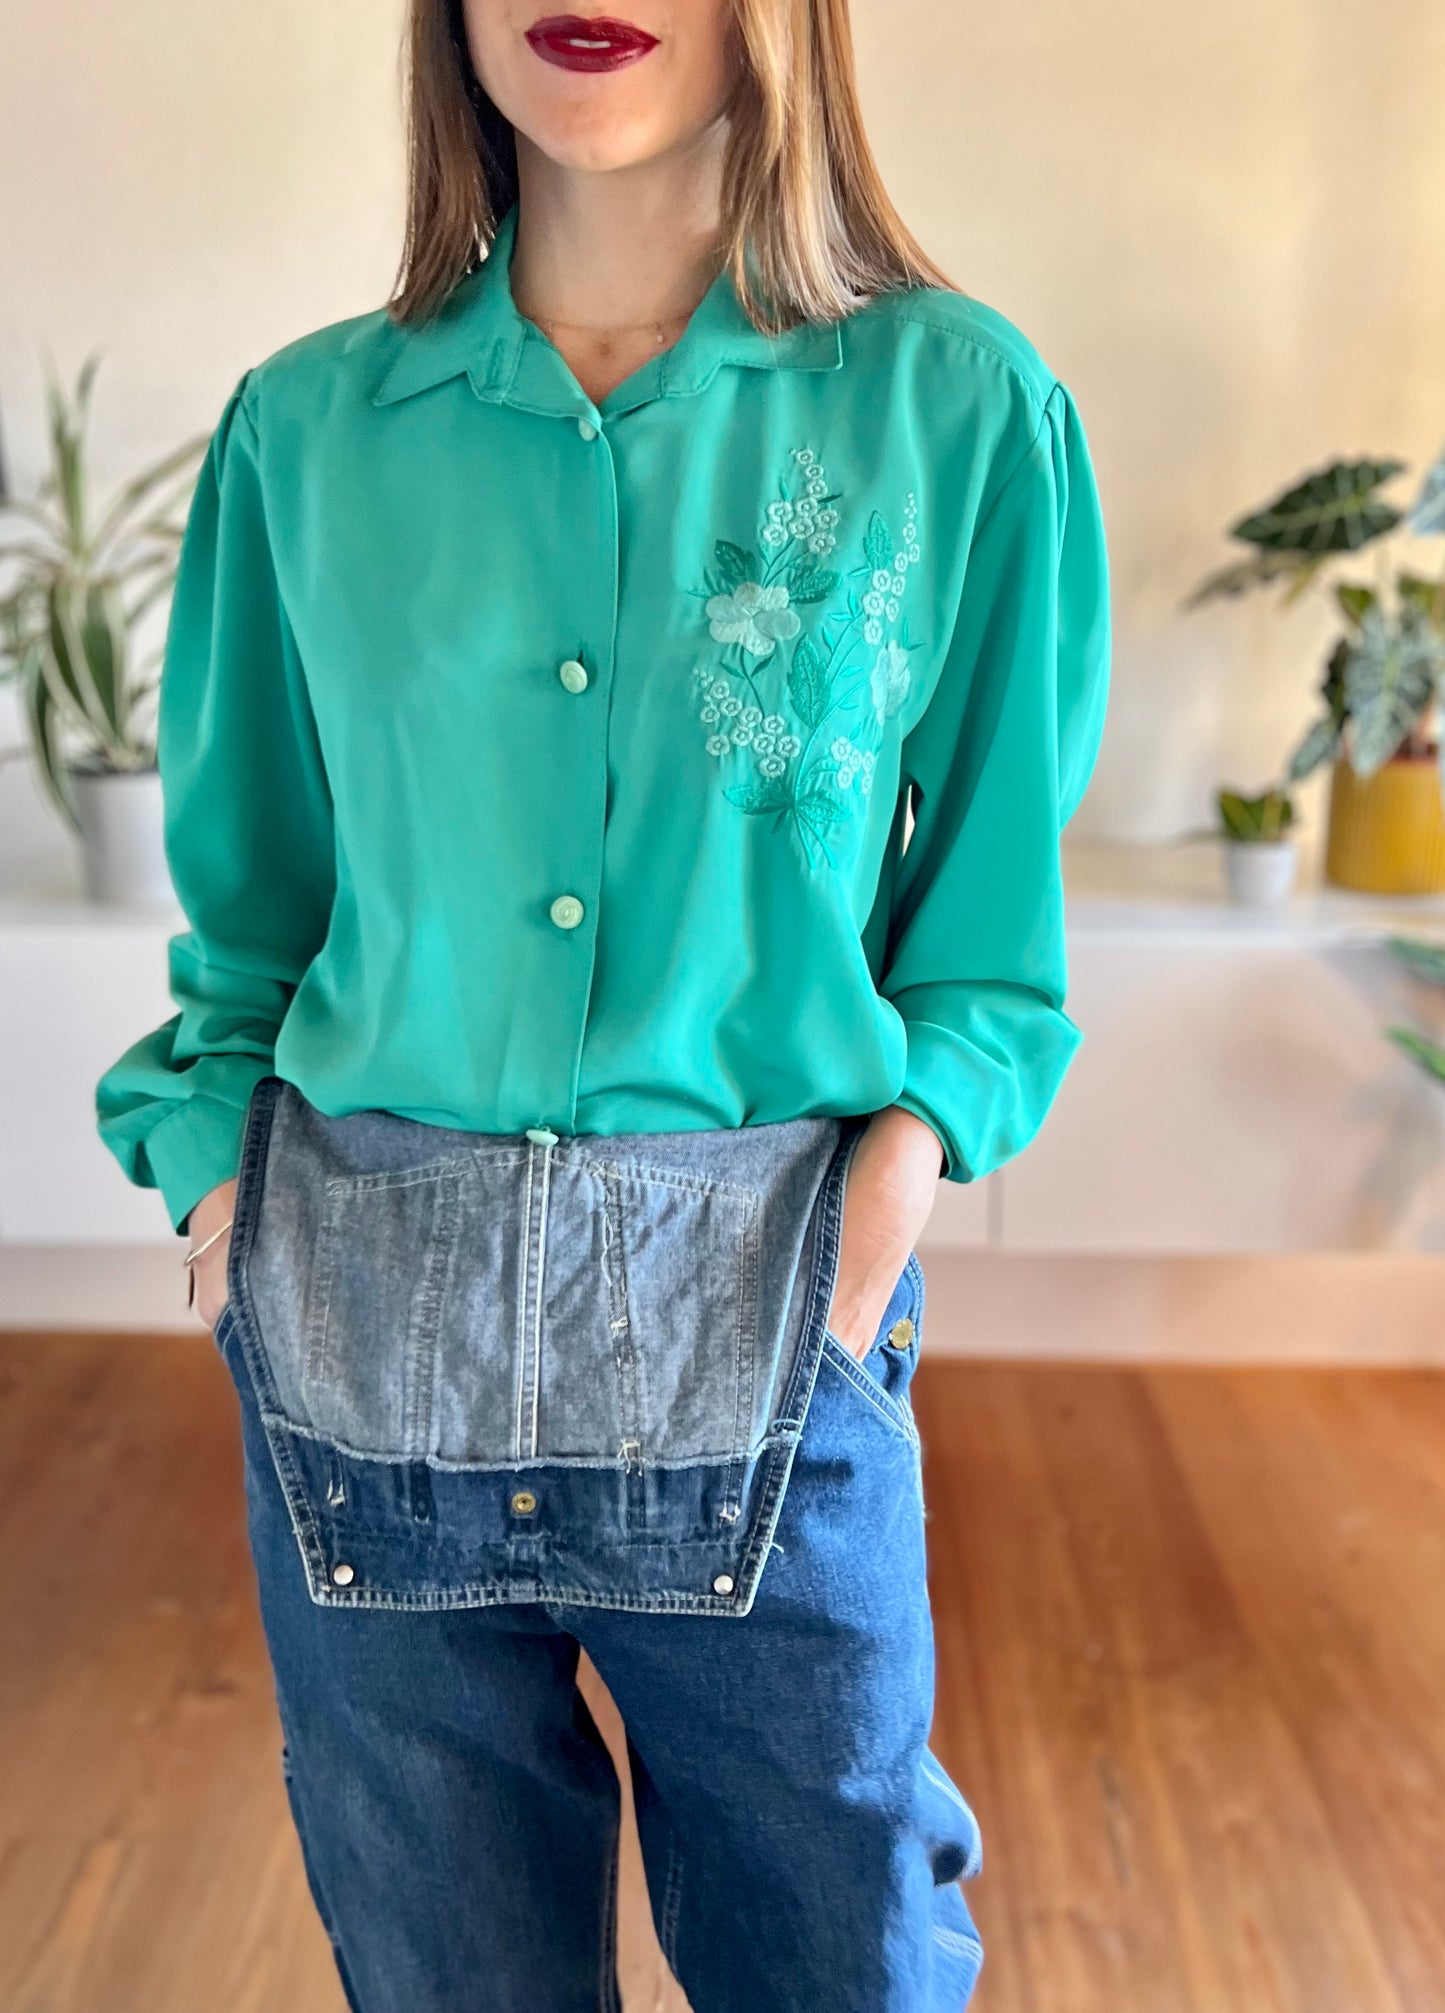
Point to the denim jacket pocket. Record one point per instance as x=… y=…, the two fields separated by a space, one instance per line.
x=491 y=1368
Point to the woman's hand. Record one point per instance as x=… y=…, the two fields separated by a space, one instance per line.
x=892 y=1182
x=210 y=1268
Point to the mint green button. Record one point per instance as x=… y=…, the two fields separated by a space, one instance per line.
x=587 y=430
x=573 y=675
x=543 y=1135
x=567 y=912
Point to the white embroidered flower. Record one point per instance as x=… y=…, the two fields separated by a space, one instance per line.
x=774 y=534
x=865 y=784
x=882 y=580
x=899 y=583
x=900 y=567
x=709 y=714
x=804 y=456
x=755 y=617
x=822 y=543
x=729 y=706
x=751 y=715
x=873 y=630
x=765 y=744
x=719 y=689
x=772 y=765
x=873 y=602
x=775 y=724
x=818 y=486
x=890 y=680
x=914 y=555
x=789 y=744
x=890 y=609
x=718 y=744
x=741 y=736
x=841 y=749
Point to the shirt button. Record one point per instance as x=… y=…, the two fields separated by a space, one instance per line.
x=567 y=912
x=542 y=1135
x=587 y=430
x=573 y=675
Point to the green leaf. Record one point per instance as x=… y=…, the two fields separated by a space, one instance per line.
x=1261 y=569
x=878 y=545
x=1427 y=513
x=810 y=583
x=1334 y=510
x=808 y=686
x=771 y=794
x=734 y=564
x=1321 y=744
x=54 y=772
x=1390 y=684
x=103 y=640
x=1423 y=597
x=1255 y=818
x=1423 y=956
x=1355 y=602
x=1429 y=1054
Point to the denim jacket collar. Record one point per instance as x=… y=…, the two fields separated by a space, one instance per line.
x=481 y=334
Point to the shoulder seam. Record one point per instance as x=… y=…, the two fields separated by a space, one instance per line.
x=979 y=342
x=999 y=494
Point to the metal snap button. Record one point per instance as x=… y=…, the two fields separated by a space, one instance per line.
x=524 y=1502
x=901 y=1333
x=343 y=1575
x=723 y=1584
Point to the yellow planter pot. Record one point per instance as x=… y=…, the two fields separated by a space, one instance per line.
x=1387 y=834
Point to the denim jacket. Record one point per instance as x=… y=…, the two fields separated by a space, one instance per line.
x=504 y=1367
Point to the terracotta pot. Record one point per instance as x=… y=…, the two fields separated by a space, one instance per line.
x=1387 y=832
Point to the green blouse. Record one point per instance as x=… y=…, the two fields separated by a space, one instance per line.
x=531 y=763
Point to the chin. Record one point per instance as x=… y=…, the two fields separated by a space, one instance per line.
x=597 y=147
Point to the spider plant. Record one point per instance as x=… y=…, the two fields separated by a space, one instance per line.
x=76 y=585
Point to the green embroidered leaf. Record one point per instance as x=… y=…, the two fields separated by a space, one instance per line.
x=820 y=809
x=734 y=564
x=808 y=682
x=772 y=794
x=878 y=545
x=811 y=583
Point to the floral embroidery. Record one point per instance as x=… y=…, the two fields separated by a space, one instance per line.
x=808 y=765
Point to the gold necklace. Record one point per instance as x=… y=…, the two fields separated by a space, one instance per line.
x=660 y=330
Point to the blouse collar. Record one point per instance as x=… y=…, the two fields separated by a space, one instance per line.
x=481 y=334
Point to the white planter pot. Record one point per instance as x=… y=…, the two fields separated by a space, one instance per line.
x=1259 y=873
x=122 y=848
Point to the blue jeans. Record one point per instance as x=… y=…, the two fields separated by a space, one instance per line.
x=457 y=1809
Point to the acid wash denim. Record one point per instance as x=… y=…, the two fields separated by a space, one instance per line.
x=507 y=1398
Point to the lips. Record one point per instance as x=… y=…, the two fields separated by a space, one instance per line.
x=575 y=42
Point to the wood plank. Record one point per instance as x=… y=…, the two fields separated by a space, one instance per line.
x=1191 y=1651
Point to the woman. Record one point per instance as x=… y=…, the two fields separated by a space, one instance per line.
x=556 y=659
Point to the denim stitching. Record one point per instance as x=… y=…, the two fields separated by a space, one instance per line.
x=847 y=1366
x=671 y=1905
x=608 y=1994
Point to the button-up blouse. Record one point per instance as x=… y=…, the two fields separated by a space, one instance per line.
x=696 y=757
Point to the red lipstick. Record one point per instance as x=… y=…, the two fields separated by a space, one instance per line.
x=575 y=42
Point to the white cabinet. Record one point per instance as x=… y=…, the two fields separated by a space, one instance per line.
x=1233 y=1093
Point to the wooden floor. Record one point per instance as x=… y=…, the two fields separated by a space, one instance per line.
x=1191 y=1641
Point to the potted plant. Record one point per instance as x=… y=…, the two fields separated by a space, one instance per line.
x=1259 y=849
x=1384 y=679
x=76 y=587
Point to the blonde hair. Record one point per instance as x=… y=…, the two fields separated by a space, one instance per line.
x=809 y=232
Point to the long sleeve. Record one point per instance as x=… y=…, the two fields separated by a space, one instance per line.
x=248 y=834
x=975 y=961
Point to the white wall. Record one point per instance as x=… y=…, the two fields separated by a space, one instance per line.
x=1222 y=224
